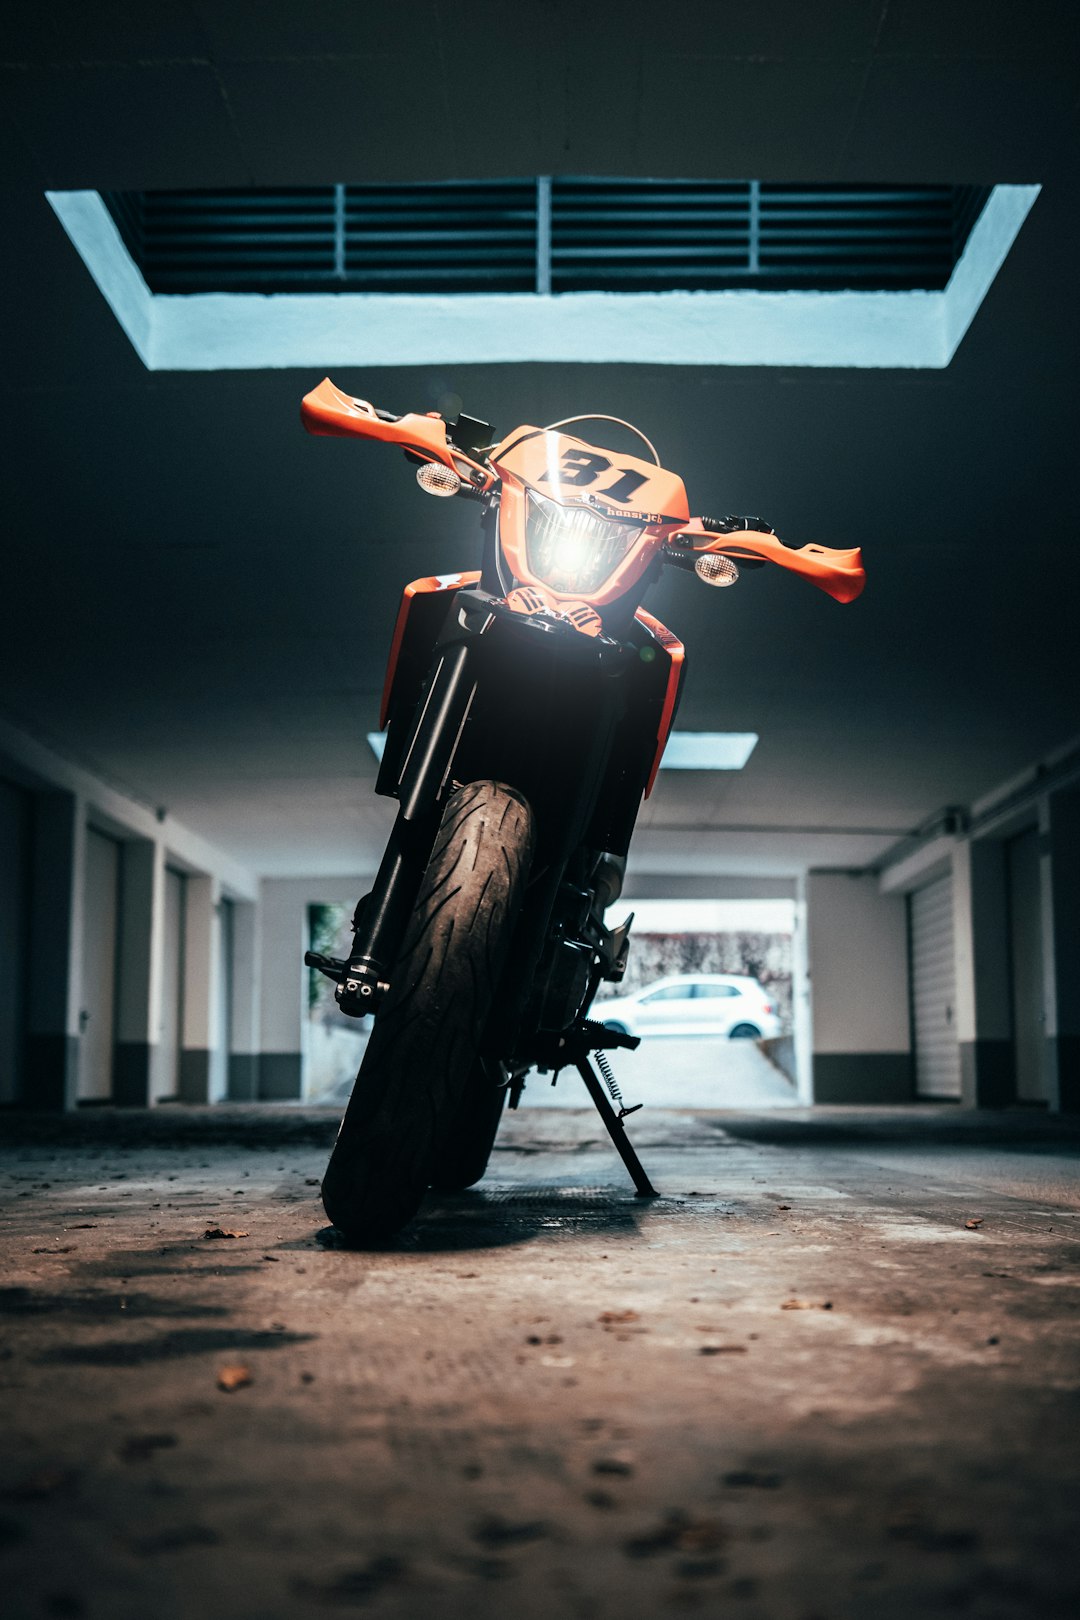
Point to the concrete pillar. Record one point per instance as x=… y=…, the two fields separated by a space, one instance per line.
x=201 y=1080
x=801 y=1013
x=983 y=988
x=1061 y=947
x=139 y=989
x=54 y=958
x=858 y=969
x=283 y=935
x=243 y=1076
x=15 y=824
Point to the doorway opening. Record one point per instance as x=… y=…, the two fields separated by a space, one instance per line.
x=709 y=989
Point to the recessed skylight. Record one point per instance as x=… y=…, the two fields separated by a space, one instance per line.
x=550 y=234
x=708 y=750
x=685 y=751
x=851 y=317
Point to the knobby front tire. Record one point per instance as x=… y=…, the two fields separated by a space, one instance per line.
x=415 y=1075
x=464 y=1153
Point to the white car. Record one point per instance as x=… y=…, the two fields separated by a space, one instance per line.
x=694 y=1004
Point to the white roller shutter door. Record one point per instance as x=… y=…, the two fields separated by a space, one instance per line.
x=933 y=990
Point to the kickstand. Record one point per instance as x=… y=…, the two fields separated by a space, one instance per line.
x=642 y=1185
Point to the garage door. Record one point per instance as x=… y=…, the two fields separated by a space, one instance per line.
x=933 y=991
x=97 y=1015
x=14 y=879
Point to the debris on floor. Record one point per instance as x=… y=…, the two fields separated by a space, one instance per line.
x=230 y=1378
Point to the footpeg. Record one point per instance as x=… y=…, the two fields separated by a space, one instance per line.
x=328 y=965
x=599 y=1035
x=358 y=990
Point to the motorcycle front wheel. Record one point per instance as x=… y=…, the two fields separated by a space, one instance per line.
x=414 y=1079
x=464 y=1152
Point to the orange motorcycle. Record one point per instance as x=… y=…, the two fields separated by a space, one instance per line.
x=526 y=709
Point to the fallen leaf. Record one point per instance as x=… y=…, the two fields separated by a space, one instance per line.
x=48 y=1482
x=230 y=1378
x=913 y=1526
x=176 y=1538
x=138 y=1447
x=806 y=1305
x=722 y=1350
x=783 y=1206
x=70 y=1249
x=494 y=1531
x=677 y=1533
x=223 y=1232
x=974 y=1223
x=611 y=1317
x=613 y=1465
x=311 y=1181
x=353 y=1587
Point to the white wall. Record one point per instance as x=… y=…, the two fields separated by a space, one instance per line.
x=283 y=939
x=65 y=800
x=857 y=940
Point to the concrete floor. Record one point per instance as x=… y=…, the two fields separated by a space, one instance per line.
x=831 y=1373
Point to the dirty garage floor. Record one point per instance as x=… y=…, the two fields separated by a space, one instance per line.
x=832 y=1372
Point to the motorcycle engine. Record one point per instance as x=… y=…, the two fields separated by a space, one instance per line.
x=561 y=983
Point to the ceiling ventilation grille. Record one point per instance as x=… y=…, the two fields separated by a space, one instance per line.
x=567 y=234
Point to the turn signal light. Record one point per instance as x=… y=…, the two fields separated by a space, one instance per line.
x=437 y=479
x=716 y=570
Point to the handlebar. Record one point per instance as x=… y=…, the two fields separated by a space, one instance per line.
x=329 y=411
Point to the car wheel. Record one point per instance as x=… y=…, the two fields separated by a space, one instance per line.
x=614 y=1024
x=745 y=1032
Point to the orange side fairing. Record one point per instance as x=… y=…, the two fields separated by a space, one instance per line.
x=418 y=587
x=676 y=666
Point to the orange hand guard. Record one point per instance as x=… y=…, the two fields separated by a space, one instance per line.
x=840 y=573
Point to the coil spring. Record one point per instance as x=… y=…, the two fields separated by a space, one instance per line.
x=609 y=1078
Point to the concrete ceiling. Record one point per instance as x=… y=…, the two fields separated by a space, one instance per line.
x=198 y=598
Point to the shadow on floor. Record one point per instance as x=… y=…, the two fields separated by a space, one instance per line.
x=495 y=1218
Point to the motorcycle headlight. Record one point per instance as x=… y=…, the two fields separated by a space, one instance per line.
x=572 y=549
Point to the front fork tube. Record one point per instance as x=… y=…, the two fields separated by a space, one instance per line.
x=380 y=919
